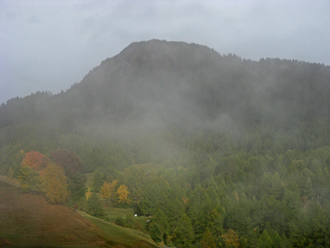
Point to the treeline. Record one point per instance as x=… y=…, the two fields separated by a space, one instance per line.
x=216 y=191
x=58 y=176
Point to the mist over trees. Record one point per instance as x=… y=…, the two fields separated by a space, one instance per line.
x=222 y=151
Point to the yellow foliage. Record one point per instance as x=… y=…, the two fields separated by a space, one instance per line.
x=108 y=189
x=185 y=201
x=122 y=193
x=231 y=239
x=54 y=184
x=88 y=193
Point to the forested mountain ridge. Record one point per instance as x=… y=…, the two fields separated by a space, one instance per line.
x=175 y=80
x=223 y=151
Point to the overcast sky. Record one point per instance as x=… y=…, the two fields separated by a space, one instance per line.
x=51 y=44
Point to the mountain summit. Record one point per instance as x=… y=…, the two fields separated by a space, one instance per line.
x=169 y=81
x=180 y=83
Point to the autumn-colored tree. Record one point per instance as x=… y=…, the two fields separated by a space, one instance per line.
x=231 y=239
x=88 y=193
x=28 y=179
x=122 y=194
x=108 y=189
x=35 y=160
x=68 y=160
x=54 y=184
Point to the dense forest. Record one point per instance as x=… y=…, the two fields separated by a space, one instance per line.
x=219 y=151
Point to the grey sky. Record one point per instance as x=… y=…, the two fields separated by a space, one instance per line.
x=51 y=44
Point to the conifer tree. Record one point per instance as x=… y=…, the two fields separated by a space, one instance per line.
x=208 y=241
x=94 y=206
x=159 y=227
x=183 y=233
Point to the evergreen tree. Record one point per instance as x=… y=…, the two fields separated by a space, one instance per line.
x=155 y=231
x=215 y=225
x=199 y=210
x=183 y=233
x=129 y=220
x=94 y=206
x=208 y=241
x=97 y=182
x=76 y=186
x=159 y=227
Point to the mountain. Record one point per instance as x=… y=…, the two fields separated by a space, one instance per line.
x=170 y=82
x=217 y=149
x=160 y=85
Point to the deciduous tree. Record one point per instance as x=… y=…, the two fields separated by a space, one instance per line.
x=35 y=160
x=108 y=189
x=88 y=193
x=122 y=194
x=54 y=184
x=231 y=239
x=68 y=160
x=29 y=179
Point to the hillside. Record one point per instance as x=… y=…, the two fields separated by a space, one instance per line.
x=215 y=150
x=28 y=220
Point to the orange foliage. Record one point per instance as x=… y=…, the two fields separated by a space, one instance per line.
x=35 y=160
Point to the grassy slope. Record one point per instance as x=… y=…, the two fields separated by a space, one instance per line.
x=124 y=236
x=28 y=220
x=113 y=213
